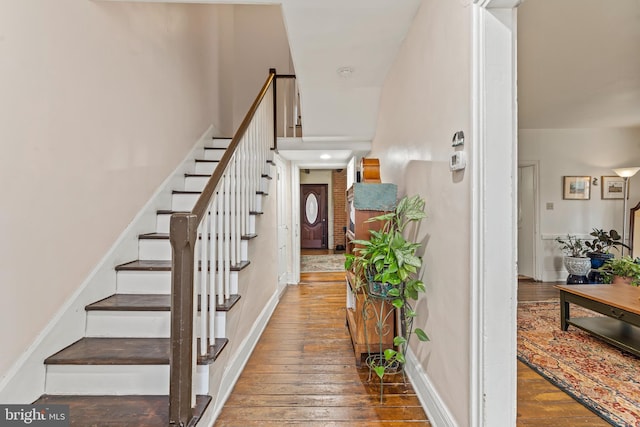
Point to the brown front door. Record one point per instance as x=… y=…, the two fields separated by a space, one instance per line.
x=313 y=214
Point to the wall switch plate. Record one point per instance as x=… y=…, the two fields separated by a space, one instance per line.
x=458 y=161
x=549 y=206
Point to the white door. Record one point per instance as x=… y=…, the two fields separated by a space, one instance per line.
x=526 y=221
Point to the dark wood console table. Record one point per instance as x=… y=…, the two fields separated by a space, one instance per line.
x=620 y=304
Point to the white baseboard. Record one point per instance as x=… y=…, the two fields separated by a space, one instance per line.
x=233 y=371
x=25 y=380
x=438 y=413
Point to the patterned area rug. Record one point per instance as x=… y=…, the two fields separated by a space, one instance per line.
x=320 y=263
x=601 y=377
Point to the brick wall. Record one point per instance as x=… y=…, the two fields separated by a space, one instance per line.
x=339 y=188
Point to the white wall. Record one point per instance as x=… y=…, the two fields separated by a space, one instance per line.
x=259 y=43
x=320 y=176
x=426 y=98
x=100 y=102
x=581 y=152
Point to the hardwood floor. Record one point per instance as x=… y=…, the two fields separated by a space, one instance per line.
x=302 y=372
x=540 y=403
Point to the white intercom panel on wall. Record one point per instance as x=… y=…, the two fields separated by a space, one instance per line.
x=458 y=161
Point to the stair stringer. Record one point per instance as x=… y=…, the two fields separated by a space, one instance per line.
x=258 y=285
x=25 y=380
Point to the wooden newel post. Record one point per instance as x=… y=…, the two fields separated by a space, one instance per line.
x=183 y=235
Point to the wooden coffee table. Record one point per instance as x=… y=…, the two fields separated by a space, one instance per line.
x=619 y=303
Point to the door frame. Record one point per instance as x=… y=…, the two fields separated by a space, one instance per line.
x=537 y=267
x=494 y=296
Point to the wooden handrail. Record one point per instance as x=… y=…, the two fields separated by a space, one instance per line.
x=200 y=208
x=183 y=237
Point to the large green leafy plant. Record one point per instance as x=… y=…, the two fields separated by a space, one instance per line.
x=623 y=267
x=390 y=260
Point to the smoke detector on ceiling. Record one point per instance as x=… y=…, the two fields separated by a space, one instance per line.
x=345 y=72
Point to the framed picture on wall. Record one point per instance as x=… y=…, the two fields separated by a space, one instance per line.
x=612 y=187
x=576 y=187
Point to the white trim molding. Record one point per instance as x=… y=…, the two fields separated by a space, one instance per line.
x=435 y=408
x=537 y=251
x=494 y=217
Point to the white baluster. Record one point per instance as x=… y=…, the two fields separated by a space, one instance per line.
x=232 y=210
x=212 y=267
x=238 y=210
x=204 y=258
x=227 y=237
x=220 y=259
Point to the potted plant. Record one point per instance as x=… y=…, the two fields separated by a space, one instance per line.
x=387 y=264
x=575 y=259
x=621 y=270
x=599 y=247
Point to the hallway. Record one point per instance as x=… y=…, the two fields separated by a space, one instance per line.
x=303 y=372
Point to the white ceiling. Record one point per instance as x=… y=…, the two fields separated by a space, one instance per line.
x=326 y=35
x=579 y=64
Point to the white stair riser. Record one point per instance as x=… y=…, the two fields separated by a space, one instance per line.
x=116 y=379
x=210 y=154
x=205 y=167
x=183 y=202
x=160 y=249
x=163 y=222
x=155 y=282
x=186 y=201
x=219 y=143
x=128 y=324
x=195 y=183
x=140 y=324
x=143 y=282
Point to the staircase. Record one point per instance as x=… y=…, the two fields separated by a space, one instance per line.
x=148 y=352
x=118 y=373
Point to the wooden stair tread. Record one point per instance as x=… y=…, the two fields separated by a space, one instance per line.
x=123 y=351
x=123 y=411
x=169 y=212
x=132 y=302
x=164 y=265
x=113 y=351
x=147 y=302
x=185 y=192
x=165 y=236
x=145 y=265
x=200 y=192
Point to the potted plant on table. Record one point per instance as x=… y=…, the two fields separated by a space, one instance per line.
x=621 y=270
x=388 y=266
x=575 y=259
